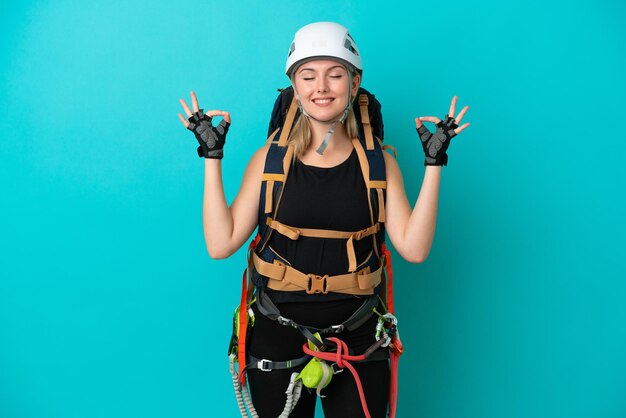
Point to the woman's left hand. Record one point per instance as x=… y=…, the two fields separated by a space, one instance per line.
x=435 y=145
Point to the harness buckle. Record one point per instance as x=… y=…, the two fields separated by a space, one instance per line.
x=261 y=365
x=336 y=328
x=317 y=284
x=284 y=321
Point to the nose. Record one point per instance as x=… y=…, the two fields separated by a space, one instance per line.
x=322 y=84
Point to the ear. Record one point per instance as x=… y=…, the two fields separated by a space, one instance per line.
x=356 y=82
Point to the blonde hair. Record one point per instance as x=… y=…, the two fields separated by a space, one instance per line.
x=300 y=135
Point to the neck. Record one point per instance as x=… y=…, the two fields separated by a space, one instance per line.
x=320 y=129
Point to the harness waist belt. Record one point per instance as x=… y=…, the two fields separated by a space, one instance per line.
x=288 y=279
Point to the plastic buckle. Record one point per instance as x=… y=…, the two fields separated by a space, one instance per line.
x=336 y=328
x=317 y=284
x=261 y=365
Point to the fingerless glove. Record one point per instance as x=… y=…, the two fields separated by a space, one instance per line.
x=211 y=138
x=435 y=145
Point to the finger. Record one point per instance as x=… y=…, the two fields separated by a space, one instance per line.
x=433 y=119
x=194 y=102
x=186 y=108
x=227 y=116
x=216 y=113
x=453 y=107
x=418 y=123
x=461 y=114
x=184 y=121
x=460 y=128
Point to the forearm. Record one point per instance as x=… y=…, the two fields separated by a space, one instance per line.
x=420 y=228
x=217 y=219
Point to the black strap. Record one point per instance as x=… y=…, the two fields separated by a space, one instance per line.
x=268 y=309
x=375 y=354
x=358 y=318
x=269 y=365
x=361 y=315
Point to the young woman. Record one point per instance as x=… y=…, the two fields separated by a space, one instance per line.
x=325 y=190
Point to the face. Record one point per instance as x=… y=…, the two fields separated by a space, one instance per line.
x=323 y=87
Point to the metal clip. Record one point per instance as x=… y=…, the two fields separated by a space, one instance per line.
x=261 y=365
x=335 y=368
x=285 y=321
x=336 y=328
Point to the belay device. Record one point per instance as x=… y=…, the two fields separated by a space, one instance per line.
x=323 y=356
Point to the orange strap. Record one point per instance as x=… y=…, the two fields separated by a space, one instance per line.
x=269 y=196
x=365 y=120
x=294 y=233
x=389 y=270
x=243 y=329
x=291 y=114
x=288 y=279
x=381 y=205
x=271 y=137
x=393 y=386
x=270 y=178
x=395 y=347
x=243 y=315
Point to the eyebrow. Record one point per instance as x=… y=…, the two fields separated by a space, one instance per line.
x=331 y=68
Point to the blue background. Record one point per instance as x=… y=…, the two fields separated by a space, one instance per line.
x=109 y=304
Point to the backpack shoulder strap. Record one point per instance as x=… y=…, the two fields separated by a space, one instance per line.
x=277 y=164
x=365 y=120
x=279 y=111
x=271 y=137
x=372 y=160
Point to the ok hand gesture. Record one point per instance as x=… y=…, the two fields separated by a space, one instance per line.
x=211 y=138
x=435 y=145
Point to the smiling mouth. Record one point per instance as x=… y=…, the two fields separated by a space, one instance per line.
x=322 y=102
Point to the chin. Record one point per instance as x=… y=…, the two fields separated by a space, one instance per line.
x=326 y=115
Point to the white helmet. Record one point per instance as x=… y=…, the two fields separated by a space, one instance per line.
x=323 y=40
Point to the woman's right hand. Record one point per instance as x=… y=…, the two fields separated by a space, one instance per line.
x=211 y=138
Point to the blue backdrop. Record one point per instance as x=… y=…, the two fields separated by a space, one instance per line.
x=109 y=303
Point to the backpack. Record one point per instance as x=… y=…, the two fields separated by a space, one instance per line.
x=369 y=148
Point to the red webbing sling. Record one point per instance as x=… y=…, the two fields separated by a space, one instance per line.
x=395 y=347
x=243 y=316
